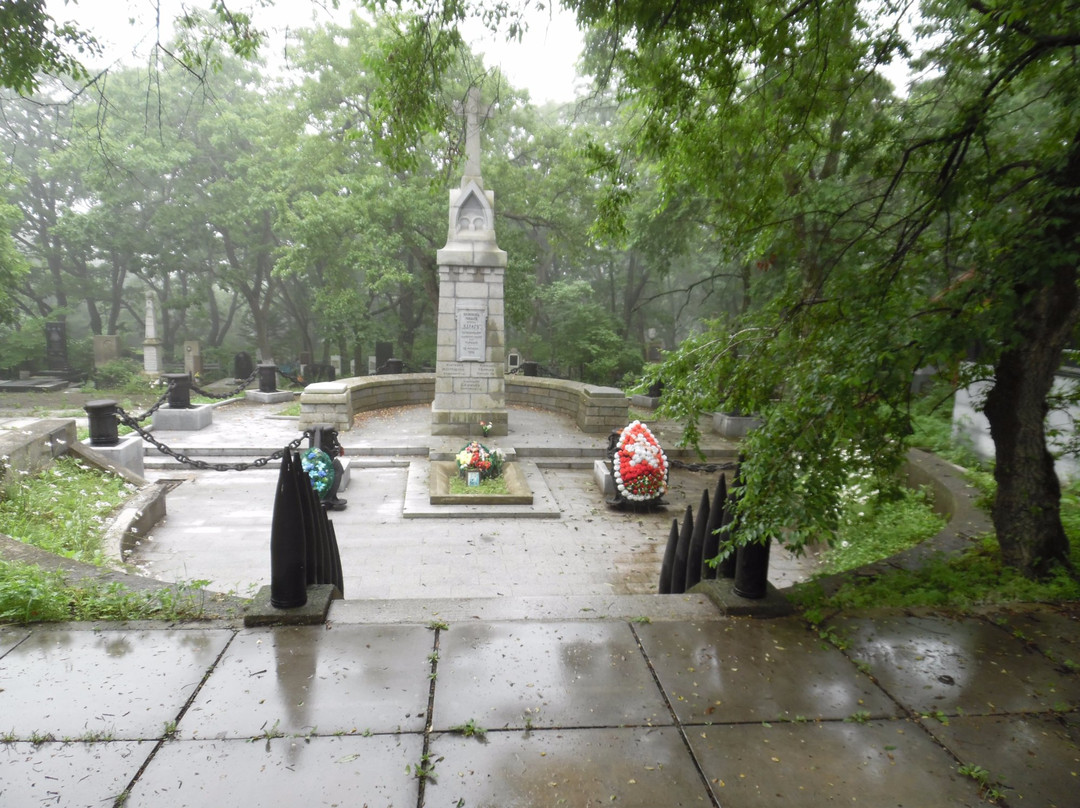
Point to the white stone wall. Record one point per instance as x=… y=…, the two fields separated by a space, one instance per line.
x=971 y=426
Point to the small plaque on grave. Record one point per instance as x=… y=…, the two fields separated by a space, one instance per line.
x=474 y=479
x=471 y=334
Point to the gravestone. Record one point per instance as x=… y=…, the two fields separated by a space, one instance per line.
x=383 y=352
x=243 y=366
x=471 y=352
x=192 y=358
x=56 y=354
x=106 y=349
x=151 y=343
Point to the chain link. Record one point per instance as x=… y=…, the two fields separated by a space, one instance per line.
x=127 y=420
x=153 y=409
x=288 y=376
x=231 y=393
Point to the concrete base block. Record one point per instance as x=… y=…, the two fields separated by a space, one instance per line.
x=734 y=426
x=605 y=481
x=127 y=454
x=279 y=397
x=190 y=420
x=261 y=613
x=645 y=402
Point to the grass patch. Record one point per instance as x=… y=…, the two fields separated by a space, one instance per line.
x=63 y=508
x=877 y=529
x=292 y=411
x=492 y=485
x=29 y=594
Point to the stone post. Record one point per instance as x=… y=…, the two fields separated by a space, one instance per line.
x=151 y=344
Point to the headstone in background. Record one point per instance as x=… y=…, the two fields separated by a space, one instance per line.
x=243 y=366
x=192 y=358
x=335 y=362
x=56 y=354
x=152 y=365
x=106 y=349
x=383 y=352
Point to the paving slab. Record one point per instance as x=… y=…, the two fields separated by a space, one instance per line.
x=303 y=680
x=745 y=669
x=318 y=771
x=936 y=664
x=819 y=764
x=68 y=775
x=89 y=685
x=1029 y=759
x=1053 y=631
x=10 y=637
x=518 y=675
x=629 y=767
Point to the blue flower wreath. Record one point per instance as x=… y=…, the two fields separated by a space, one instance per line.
x=320 y=469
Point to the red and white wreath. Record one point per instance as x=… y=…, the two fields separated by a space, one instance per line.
x=640 y=465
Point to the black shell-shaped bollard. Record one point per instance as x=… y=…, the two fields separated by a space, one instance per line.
x=288 y=578
x=682 y=553
x=711 y=548
x=696 y=555
x=669 y=559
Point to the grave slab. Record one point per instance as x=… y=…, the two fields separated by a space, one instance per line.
x=632 y=768
x=831 y=763
x=517 y=675
x=744 y=669
x=351 y=679
x=351 y=771
x=940 y=664
x=126 y=685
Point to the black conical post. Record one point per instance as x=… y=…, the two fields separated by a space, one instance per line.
x=682 y=553
x=696 y=555
x=711 y=548
x=669 y=559
x=728 y=527
x=179 y=391
x=288 y=584
x=267 y=378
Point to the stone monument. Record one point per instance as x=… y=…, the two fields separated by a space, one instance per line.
x=471 y=351
x=151 y=344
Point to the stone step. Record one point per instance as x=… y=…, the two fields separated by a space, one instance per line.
x=640 y=608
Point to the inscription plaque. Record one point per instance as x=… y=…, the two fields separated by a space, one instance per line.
x=471 y=334
x=471 y=386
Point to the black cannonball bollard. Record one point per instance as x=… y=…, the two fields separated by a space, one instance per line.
x=267 y=378
x=179 y=391
x=104 y=425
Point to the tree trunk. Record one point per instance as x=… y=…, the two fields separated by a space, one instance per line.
x=1027 y=507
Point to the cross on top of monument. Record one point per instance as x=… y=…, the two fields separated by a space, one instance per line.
x=474 y=114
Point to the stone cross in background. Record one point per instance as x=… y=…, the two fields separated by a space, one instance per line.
x=474 y=114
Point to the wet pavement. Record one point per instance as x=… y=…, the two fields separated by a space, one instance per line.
x=519 y=662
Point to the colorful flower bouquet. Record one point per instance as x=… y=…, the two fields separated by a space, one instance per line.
x=477 y=457
x=485 y=428
x=320 y=469
x=640 y=465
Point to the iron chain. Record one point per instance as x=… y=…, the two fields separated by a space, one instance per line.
x=127 y=420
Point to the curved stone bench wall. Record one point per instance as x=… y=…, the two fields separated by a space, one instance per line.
x=592 y=407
